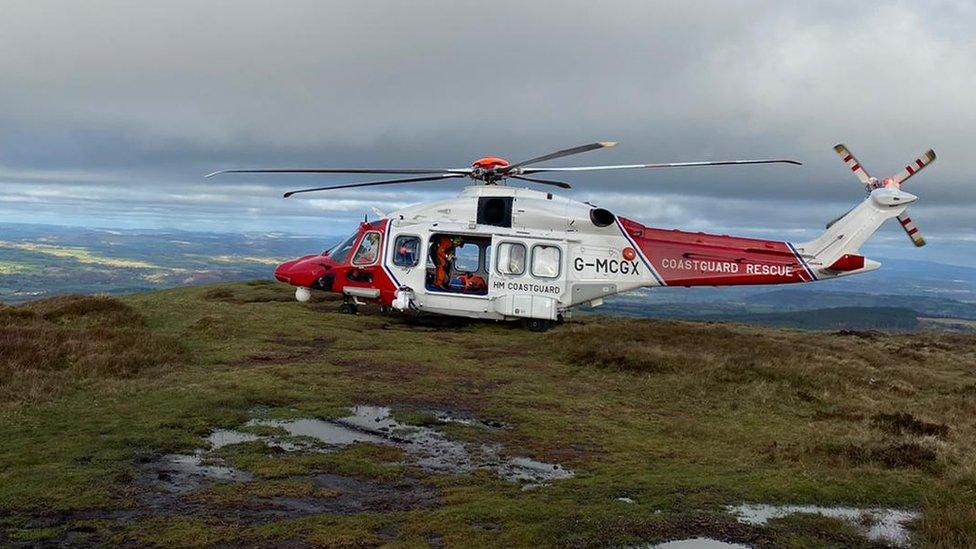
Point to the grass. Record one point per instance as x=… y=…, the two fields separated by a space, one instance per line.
x=50 y=344
x=681 y=417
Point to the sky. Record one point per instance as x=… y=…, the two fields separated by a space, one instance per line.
x=111 y=113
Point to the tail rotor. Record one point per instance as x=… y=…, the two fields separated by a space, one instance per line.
x=896 y=181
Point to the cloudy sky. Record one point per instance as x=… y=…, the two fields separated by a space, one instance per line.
x=112 y=112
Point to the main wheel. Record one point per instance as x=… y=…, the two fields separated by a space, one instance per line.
x=537 y=324
x=347 y=308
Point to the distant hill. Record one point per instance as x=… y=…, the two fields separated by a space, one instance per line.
x=800 y=298
x=39 y=261
x=836 y=318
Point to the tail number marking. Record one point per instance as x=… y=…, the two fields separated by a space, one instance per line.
x=613 y=266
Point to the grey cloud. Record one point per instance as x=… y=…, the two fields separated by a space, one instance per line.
x=118 y=108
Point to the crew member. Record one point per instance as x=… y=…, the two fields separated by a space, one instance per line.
x=443 y=256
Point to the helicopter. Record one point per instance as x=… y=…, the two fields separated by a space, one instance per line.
x=506 y=252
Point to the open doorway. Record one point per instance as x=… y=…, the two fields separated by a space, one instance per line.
x=458 y=264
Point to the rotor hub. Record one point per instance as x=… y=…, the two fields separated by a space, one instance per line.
x=489 y=162
x=486 y=169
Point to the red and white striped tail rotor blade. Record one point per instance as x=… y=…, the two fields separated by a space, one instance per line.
x=915 y=167
x=911 y=230
x=852 y=163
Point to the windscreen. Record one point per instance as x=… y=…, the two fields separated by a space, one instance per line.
x=339 y=252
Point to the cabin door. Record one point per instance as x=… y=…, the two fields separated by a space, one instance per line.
x=529 y=276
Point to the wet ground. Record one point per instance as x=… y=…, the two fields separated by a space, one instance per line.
x=428 y=448
x=698 y=543
x=174 y=485
x=177 y=484
x=877 y=524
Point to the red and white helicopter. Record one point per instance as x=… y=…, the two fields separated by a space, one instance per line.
x=507 y=253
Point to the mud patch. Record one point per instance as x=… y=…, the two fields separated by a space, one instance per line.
x=189 y=485
x=892 y=455
x=895 y=456
x=319 y=342
x=295 y=350
x=903 y=423
x=876 y=524
x=361 y=495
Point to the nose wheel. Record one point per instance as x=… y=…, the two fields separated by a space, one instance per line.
x=348 y=308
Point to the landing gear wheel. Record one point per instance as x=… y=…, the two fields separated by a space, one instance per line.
x=537 y=324
x=348 y=308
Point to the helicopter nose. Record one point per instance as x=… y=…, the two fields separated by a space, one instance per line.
x=281 y=272
x=303 y=271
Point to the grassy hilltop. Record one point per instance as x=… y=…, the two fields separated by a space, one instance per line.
x=663 y=422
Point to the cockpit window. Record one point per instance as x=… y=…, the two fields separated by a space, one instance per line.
x=368 y=249
x=340 y=251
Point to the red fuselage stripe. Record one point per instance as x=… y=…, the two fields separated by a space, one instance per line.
x=698 y=259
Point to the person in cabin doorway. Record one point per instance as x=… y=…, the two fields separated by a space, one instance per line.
x=443 y=257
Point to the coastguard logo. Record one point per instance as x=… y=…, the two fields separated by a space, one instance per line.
x=726 y=267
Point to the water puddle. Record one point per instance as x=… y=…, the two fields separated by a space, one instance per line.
x=877 y=524
x=182 y=473
x=428 y=448
x=699 y=543
x=461 y=419
x=225 y=437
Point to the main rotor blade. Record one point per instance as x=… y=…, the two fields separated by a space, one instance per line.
x=372 y=183
x=911 y=230
x=915 y=167
x=664 y=165
x=343 y=170
x=848 y=157
x=559 y=184
x=558 y=154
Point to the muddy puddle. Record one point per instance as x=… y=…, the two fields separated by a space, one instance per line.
x=698 y=543
x=877 y=524
x=428 y=448
x=183 y=473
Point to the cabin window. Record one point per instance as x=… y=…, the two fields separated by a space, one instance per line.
x=467 y=257
x=406 y=251
x=546 y=261
x=368 y=250
x=511 y=258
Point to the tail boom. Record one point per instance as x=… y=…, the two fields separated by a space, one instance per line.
x=680 y=258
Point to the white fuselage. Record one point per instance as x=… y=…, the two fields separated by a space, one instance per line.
x=590 y=261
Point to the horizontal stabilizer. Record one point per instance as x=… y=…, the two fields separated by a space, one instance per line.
x=848 y=262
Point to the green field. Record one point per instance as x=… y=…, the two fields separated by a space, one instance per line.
x=664 y=423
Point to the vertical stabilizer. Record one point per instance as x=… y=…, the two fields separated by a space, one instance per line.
x=845 y=235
